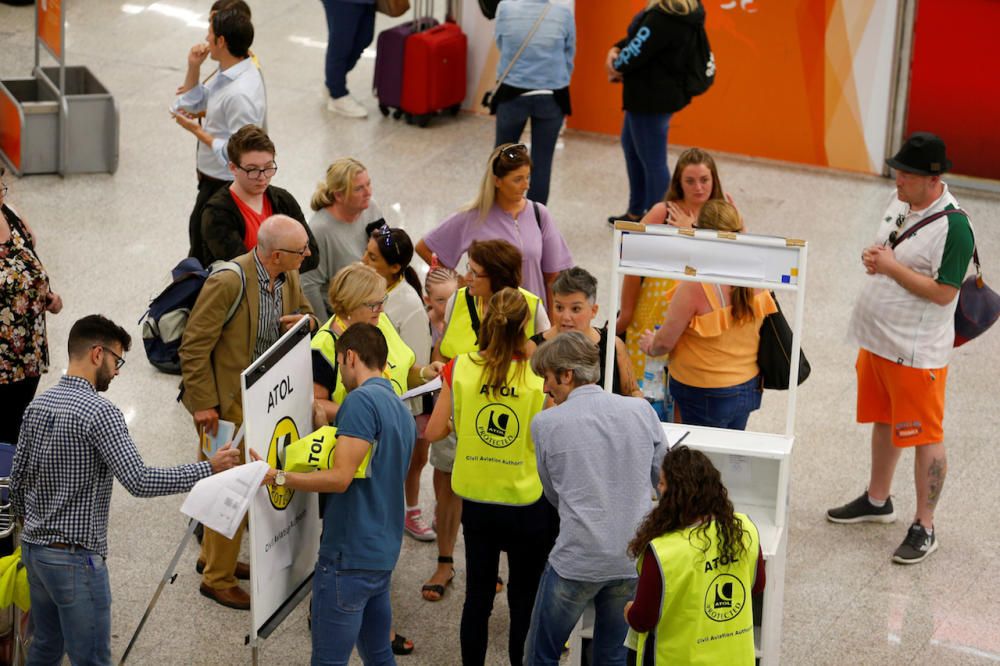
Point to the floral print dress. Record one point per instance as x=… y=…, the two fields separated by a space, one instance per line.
x=24 y=291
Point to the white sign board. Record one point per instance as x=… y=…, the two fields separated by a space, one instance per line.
x=285 y=526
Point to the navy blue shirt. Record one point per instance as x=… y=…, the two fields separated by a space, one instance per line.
x=363 y=526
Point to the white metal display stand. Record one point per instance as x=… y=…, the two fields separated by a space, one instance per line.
x=756 y=467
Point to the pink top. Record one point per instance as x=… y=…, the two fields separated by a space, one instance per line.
x=542 y=247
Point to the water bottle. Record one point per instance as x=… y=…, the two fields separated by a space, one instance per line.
x=653 y=376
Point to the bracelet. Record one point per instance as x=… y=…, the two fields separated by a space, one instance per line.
x=421 y=373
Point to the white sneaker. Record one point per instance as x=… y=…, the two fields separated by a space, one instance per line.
x=346 y=106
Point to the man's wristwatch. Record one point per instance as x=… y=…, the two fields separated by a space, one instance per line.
x=279 y=478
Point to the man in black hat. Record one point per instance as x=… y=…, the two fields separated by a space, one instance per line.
x=903 y=323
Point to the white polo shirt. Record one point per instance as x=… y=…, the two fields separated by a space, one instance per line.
x=890 y=321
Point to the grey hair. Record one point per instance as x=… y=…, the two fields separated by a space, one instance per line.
x=573 y=280
x=569 y=351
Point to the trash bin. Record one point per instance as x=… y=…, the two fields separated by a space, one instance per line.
x=29 y=126
x=91 y=123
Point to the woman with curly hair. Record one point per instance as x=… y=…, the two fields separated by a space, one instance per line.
x=699 y=561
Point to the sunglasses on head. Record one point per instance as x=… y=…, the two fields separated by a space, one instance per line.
x=513 y=153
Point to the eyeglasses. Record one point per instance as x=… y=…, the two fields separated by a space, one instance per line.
x=253 y=173
x=301 y=252
x=375 y=306
x=469 y=271
x=119 y=361
x=515 y=153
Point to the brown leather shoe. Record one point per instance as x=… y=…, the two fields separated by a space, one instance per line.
x=231 y=597
x=242 y=569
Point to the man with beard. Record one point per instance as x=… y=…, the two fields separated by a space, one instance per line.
x=73 y=443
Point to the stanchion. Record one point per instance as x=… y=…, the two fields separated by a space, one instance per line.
x=168 y=577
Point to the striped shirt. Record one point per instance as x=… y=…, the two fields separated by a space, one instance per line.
x=896 y=324
x=268 y=324
x=72 y=443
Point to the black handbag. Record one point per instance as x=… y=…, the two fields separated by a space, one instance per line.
x=978 y=306
x=774 y=353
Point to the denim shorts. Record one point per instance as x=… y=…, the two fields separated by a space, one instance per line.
x=726 y=407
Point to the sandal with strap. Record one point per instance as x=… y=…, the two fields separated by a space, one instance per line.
x=401 y=645
x=436 y=588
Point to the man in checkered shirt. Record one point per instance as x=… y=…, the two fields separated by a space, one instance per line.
x=72 y=444
x=903 y=322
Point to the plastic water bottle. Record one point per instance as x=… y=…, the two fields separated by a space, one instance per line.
x=653 y=376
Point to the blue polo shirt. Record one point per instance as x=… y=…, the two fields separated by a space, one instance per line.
x=363 y=526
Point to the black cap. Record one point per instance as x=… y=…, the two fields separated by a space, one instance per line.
x=923 y=153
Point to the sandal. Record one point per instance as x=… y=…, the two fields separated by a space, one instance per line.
x=437 y=588
x=401 y=645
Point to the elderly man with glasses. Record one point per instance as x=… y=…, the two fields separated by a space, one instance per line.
x=232 y=217
x=215 y=351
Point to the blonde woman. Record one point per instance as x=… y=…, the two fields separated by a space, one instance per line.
x=650 y=63
x=501 y=211
x=488 y=398
x=644 y=300
x=712 y=332
x=345 y=216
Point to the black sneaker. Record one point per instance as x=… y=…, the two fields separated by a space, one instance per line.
x=862 y=511
x=917 y=545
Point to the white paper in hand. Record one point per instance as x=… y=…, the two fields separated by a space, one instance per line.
x=220 y=501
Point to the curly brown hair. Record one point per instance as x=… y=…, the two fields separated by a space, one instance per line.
x=694 y=494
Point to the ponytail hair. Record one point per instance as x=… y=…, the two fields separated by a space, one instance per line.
x=501 y=336
x=721 y=215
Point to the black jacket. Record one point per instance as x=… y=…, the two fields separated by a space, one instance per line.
x=653 y=59
x=223 y=227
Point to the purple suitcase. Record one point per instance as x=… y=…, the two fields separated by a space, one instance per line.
x=389 y=53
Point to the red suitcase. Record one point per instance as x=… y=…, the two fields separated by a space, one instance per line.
x=434 y=72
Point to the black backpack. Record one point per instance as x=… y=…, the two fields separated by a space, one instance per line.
x=164 y=322
x=699 y=71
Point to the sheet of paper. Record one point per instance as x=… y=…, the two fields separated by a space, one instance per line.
x=432 y=385
x=220 y=501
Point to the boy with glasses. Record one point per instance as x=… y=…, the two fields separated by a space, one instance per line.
x=232 y=216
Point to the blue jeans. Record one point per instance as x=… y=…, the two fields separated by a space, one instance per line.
x=70 y=605
x=644 y=141
x=558 y=606
x=350 y=606
x=351 y=28
x=546 y=121
x=727 y=407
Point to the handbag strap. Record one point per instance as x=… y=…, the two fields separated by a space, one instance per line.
x=520 y=50
x=937 y=216
x=470 y=302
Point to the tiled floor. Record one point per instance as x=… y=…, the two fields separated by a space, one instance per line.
x=109 y=241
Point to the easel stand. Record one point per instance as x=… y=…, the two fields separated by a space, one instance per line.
x=168 y=577
x=755 y=467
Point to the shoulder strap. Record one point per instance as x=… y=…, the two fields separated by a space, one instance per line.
x=538 y=214
x=220 y=266
x=470 y=302
x=924 y=222
x=520 y=50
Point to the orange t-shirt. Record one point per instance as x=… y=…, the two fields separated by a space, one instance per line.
x=251 y=218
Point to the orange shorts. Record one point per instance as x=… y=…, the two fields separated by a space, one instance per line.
x=911 y=400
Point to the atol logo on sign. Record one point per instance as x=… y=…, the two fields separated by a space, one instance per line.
x=284 y=434
x=725 y=598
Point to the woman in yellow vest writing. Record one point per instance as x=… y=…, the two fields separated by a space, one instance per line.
x=493 y=265
x=489 y=398
x=712 y=332
x=699 y=563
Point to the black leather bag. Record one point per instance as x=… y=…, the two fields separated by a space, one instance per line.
x=774 y=355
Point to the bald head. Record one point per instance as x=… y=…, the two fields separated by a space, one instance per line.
x=282 y=244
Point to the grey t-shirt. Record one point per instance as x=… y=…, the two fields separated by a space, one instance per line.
x=340 y=243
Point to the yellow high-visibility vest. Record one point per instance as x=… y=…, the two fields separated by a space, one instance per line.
x=707 y=615
x=495 y=458
x=461 y=337
x=401 y=358
x=316 y=450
